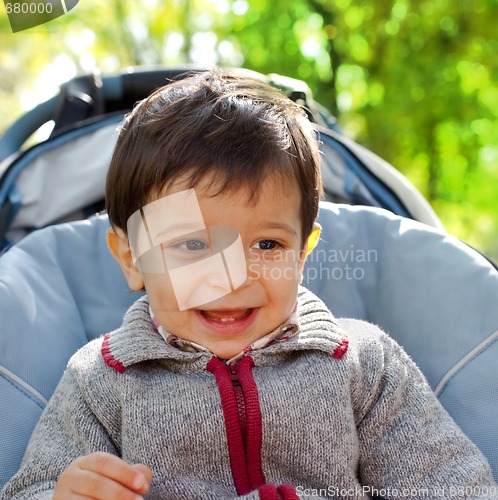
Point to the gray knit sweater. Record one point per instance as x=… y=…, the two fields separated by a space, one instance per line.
x=338 y=411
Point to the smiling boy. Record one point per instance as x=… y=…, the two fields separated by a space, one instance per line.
x=228 y=380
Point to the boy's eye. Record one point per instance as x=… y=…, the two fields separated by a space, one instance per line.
x=267 y=245
x=192 y=245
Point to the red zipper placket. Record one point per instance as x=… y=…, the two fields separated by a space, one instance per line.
x=239 y=396
x=243 y=423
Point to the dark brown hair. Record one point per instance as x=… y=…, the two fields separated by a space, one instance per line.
x=238 y=129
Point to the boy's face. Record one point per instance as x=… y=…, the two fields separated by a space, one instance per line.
x=263 y=258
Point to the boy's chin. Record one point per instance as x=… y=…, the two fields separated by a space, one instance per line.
x=226 y=352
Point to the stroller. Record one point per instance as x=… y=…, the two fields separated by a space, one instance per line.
x=383 y=257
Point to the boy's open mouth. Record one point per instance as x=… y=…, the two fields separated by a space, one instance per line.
x=228 y=321
x=226 y=316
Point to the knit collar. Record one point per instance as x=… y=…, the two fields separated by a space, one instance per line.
x=139 y=340
x=283 y=332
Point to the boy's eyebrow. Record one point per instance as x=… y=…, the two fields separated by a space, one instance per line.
x=178 y=229
x=280 y=225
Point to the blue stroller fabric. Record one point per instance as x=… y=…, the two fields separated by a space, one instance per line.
x=59 y=288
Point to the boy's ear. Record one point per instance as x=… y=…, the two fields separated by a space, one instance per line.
x=313 y=238
x=117 y=241
x=309 y=244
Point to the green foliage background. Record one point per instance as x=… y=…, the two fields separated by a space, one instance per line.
x=415 y=81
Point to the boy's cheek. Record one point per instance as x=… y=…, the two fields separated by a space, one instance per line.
x=160 y=292
x=283 y=272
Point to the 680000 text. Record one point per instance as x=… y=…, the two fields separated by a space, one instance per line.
x=29 y=8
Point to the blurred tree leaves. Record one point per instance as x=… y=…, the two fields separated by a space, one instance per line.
x=413 y=80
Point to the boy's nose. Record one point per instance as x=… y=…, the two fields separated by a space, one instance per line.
x=200 y=282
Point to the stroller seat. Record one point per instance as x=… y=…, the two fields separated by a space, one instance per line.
x=60 y=288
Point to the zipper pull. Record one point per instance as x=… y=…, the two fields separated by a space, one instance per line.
x=234 y=374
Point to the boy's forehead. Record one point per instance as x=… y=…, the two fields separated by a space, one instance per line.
x=172 y=214
x=220 y=187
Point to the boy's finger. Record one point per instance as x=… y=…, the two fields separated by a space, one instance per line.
x=145 y=471
x=116 y=469
x=92 y=485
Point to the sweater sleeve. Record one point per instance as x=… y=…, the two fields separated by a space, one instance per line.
x=409 y=444
x=67 y=429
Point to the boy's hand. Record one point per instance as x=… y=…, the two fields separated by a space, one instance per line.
x=103 y=476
